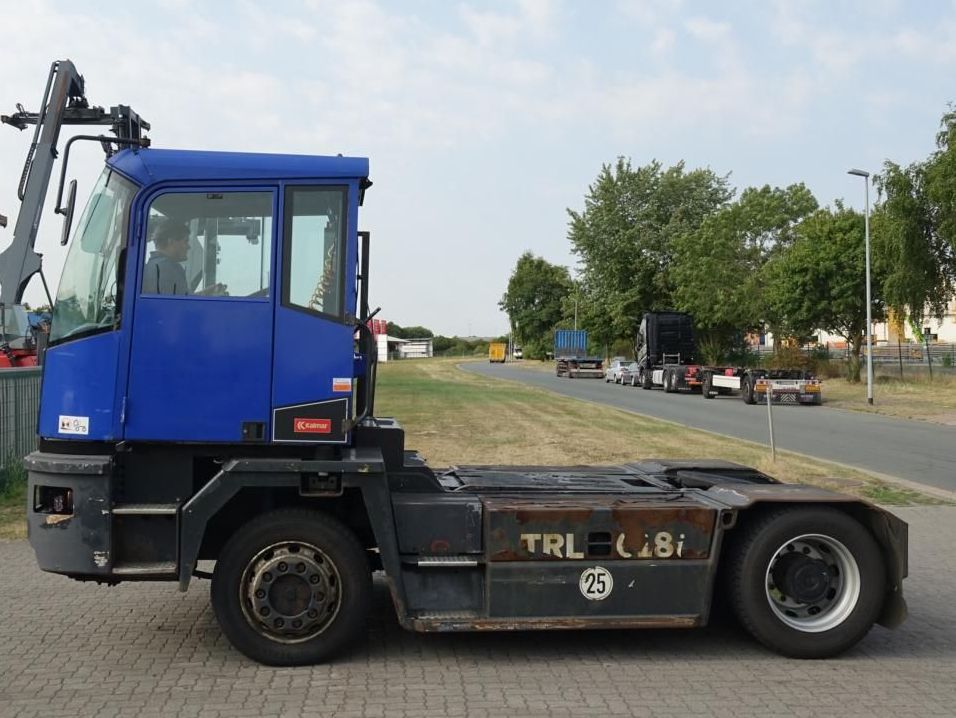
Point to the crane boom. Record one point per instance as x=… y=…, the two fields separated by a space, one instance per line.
x=64 y=103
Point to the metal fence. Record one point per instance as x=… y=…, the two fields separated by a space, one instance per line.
x=940 y=355
x=19 y=402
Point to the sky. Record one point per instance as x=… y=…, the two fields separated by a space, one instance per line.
x=485 y=121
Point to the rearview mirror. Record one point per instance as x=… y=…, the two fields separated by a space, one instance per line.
x=68 y=214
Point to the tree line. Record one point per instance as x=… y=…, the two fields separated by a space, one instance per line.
x=771 y=258
x=442 y=345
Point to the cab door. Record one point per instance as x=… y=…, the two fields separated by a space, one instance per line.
x=200 y=363
x=313 y=360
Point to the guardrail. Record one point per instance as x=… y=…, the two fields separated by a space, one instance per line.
x=19 y=403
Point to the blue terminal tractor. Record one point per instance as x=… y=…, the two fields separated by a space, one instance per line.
x=208 y=395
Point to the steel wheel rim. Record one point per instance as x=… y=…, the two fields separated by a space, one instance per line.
x=826 y=602
x=290 y=592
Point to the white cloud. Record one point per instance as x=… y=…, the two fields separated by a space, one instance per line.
x=664 y=40
x=705 y=29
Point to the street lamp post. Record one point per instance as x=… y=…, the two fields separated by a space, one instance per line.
x=869 y=302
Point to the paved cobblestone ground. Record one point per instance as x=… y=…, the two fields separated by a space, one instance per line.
x=70 y=649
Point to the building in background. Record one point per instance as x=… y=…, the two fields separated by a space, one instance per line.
x=416 y=348
x=396 y=348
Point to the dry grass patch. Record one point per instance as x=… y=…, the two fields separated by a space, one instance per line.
x=913 y=398
x=455 y=418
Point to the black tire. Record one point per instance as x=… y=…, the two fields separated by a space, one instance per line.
x=760 y=550
x=708 y=388
x=747 y=390
x=668 y=378
x=342 y=571
x=646 y=379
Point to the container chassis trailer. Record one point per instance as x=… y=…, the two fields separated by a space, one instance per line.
x=277 y=470
x=667 y=357
x=786 y=386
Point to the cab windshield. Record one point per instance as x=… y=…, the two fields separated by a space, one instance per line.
x=86 y=298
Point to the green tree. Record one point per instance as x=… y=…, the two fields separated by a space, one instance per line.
x=533 y=301
x=914 y=230
x=625 y=237
x=820 y=281
x=394 y=330
x=717 y=268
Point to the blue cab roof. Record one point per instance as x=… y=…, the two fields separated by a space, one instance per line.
x=150 y=166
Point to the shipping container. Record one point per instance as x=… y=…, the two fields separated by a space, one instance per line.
x=570 y=342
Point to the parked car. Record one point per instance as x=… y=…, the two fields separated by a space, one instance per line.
x=613 y=372
x=630 y=374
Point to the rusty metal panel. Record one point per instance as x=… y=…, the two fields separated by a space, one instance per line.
x=437 y=524
x=673 y=589
x=598 y=528
x=444 y=623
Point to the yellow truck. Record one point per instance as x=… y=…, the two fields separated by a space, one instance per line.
x=497 y=352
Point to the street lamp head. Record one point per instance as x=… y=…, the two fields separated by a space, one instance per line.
x=858 y=173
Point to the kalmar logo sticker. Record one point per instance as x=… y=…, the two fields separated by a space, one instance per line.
x=312 y=426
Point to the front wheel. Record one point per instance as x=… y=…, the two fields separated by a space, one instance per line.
x=291 y=588
x=708 y=388
x=807 y=582
x=646 y=379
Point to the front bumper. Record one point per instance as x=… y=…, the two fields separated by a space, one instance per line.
x=75 y=538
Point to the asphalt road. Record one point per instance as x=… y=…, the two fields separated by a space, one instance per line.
x=913 y=450
x=146 y=650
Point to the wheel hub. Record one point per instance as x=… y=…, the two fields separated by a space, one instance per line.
x=291 y=591
x=805 y=579
x=813 y=583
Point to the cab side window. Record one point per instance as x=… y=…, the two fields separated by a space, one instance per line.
x=314 y=249
x=207 y=244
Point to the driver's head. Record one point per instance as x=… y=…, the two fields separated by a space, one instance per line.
x=172 y=239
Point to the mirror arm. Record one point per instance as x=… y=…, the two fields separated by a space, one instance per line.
x=60 y=209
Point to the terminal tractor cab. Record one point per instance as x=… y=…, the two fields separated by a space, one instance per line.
x=208 y=395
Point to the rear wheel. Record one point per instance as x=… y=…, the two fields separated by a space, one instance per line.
x=807 y=582
x=747 y=390
x=292 y=588
x=708 y=389
x=668 y=381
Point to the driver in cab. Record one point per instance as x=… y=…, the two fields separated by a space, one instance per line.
x=164 y=273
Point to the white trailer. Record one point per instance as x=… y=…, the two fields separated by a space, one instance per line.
x=786 y=386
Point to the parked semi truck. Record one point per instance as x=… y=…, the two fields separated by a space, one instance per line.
x=667 y=356
x=571 y=356
x=179 y=423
